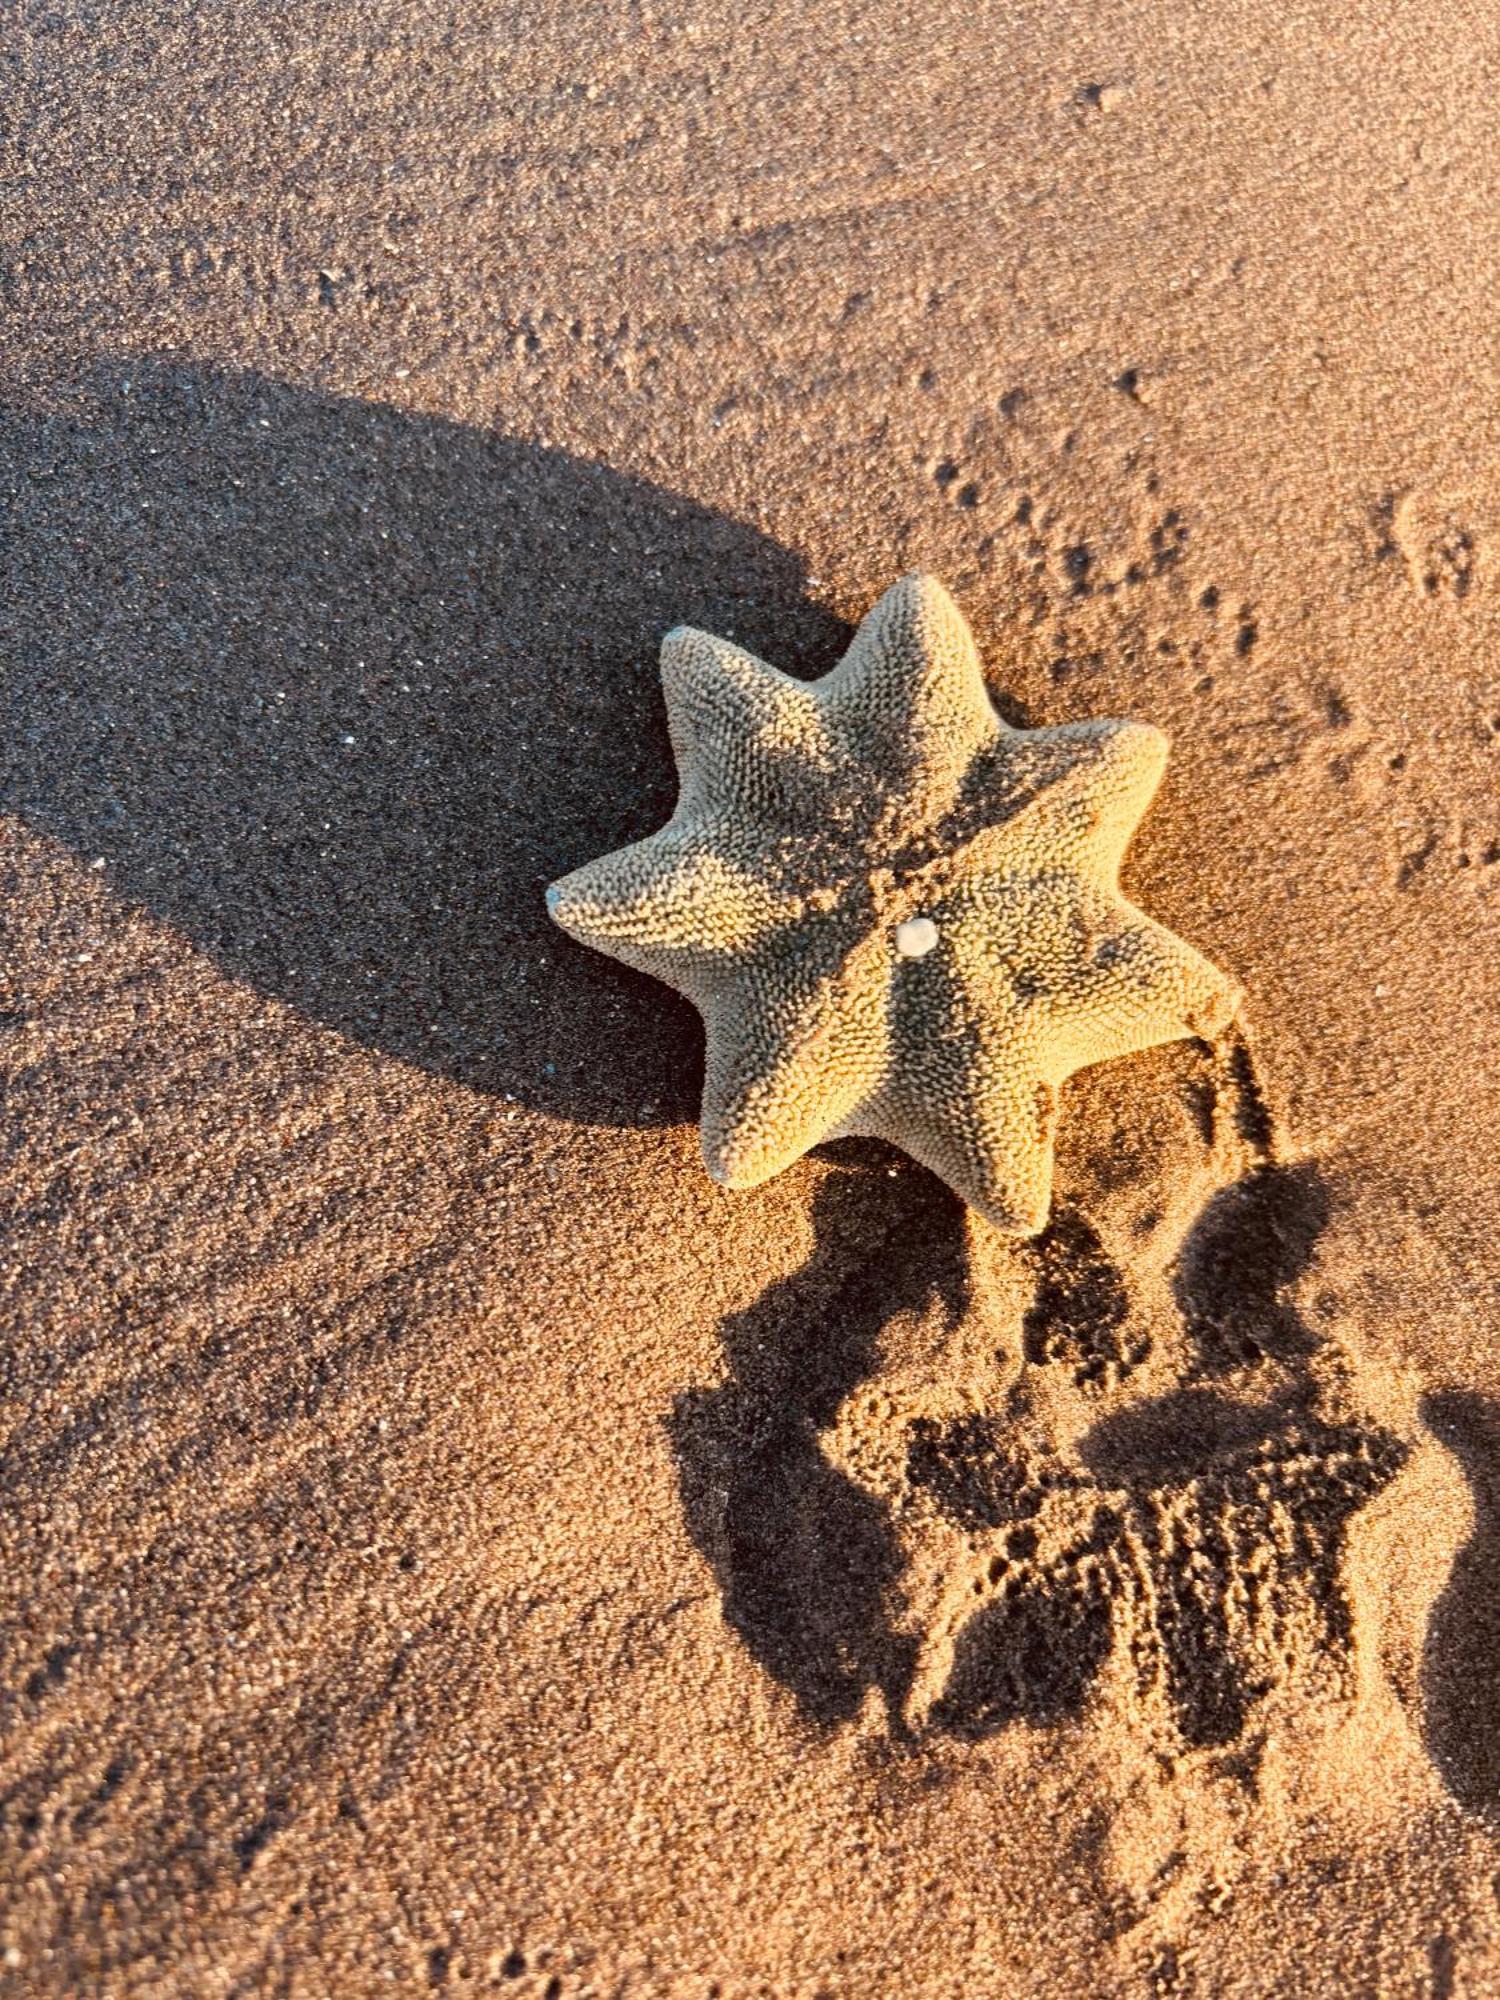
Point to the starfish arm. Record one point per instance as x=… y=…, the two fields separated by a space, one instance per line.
x=967 y=1097
x=1138 y=985
x=995 y=1151
x=1088 y=973
x=673 y=906
x=909 y=694
x=795 y=1045
x=1091 y=782
x=744 y=734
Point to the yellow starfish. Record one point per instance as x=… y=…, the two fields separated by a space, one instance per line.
x=898 y=916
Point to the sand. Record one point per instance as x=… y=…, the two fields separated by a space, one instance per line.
x=451 y=1545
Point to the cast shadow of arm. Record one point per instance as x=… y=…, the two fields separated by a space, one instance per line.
x=806 y=1560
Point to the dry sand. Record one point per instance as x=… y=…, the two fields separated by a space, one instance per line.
x=447 y=1542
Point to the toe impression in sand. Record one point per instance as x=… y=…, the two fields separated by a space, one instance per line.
x=898 y=916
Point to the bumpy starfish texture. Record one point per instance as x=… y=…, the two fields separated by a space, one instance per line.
x=899 y=917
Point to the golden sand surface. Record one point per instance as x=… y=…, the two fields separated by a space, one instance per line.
x=448 y=1543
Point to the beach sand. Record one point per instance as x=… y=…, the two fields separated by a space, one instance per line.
x=450 y=1544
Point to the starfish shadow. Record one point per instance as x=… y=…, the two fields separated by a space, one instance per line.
x=1461 y=1691
x=1246 y=1250
x=806 y=1559
x=334 y=689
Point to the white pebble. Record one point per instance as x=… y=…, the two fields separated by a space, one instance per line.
x=916 y=937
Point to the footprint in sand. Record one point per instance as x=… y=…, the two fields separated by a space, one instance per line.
x=1441 y=543
x=1182 y=1541
x=1204 y=1534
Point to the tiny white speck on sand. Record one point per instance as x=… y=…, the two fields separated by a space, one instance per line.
x=916 y=937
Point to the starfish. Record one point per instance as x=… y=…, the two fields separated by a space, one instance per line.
x=899 y=917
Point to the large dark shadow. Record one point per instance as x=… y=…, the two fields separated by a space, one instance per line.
x=335 y=690
x=1461 y=1659
x=805 y=1559
x=1251 y=1243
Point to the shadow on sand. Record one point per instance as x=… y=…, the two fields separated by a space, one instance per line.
x=335 y=689
x=804 y=1558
